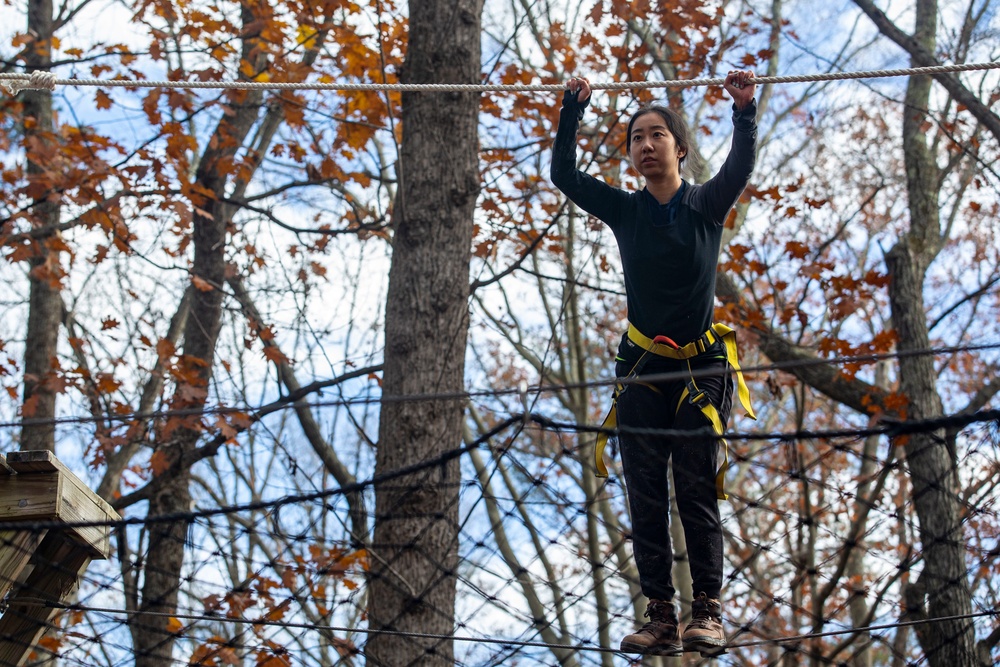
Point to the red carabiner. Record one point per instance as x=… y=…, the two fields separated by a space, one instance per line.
x=665 y=340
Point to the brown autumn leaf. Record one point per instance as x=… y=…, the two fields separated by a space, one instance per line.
x=29 y=407
x=106 y=383
x=238 y=602
x=164 y=349
x=344 y=647
x=273 y=354
x=103 y=100
x=190 y=393
x=212 y=653
x=150 y=104
x=273 y=656
x=240 y=420
x=201 y=284
x=277 y=612
x=159 y=462
x=225 y=428
x=174 y=625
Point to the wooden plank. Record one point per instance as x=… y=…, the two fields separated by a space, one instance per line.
x=43 y=489
x=37 y=460
x=46 y=490
x=45 y=461
x=78 y=504
x=58 y=565
x=16 y=548
x=31 y=497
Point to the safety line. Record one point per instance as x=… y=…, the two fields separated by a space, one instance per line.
x=277 y=502
x=293 y=401
x=893 y=429
x=48 y=81
x=869 y=628
x=890 y=428
x=313 y=626
x=490 y=640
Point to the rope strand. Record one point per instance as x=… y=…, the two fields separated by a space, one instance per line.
x=48 y=81
x=586 y=646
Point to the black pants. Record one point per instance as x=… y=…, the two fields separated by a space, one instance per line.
x=695 y=463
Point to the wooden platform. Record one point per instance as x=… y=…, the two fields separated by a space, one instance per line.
x=40 y=566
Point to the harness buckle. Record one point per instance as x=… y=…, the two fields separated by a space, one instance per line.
x=697 y=397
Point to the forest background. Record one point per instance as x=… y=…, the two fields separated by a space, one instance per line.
x=240 y=309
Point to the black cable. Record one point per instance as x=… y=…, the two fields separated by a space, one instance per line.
x=286 y=403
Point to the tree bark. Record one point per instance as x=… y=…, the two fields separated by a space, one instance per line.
x=415 y=542
x=162 y=576
x=44 y=301
x=943 y=580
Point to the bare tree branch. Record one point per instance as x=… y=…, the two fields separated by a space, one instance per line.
x=923 y=58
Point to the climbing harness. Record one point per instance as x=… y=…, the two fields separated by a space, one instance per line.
x=665 y=347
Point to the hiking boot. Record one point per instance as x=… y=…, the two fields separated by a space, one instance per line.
x=659 y=635
x=704 y=633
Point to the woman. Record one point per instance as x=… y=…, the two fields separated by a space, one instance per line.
x=669 y=237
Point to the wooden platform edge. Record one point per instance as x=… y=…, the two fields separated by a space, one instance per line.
x=44 y=489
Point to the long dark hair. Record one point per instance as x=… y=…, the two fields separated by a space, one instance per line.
x=676 y=126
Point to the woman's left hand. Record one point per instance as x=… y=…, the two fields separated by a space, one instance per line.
x=739 y=88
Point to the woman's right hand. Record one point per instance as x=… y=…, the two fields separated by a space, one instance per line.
x=580 y=86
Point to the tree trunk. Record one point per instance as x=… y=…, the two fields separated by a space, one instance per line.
x=576 y=369
x=943 y=581
x=165 y=558
x=415 y=544
x=44 y=301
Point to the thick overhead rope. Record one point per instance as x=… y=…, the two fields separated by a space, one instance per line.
x=48 y=81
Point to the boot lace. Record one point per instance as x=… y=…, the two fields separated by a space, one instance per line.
x=701 y=616
x=658 y=613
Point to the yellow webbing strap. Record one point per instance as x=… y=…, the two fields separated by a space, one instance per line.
x=728 y=337
x=692 y=349
x=712 y=414
x=610 y=423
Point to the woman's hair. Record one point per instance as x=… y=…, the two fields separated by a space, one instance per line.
x=676 y=126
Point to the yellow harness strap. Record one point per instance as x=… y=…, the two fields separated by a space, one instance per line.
x=715 y=333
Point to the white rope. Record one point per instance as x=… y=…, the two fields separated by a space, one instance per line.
x=47 y=81
x=37 y=80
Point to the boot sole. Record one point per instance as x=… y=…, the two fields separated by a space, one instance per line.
x=708 y=648
x=673 y=649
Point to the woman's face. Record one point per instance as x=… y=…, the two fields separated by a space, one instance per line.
x=653 y=149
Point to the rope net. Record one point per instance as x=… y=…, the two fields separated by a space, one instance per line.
x=275 y=573
x=300 y=568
